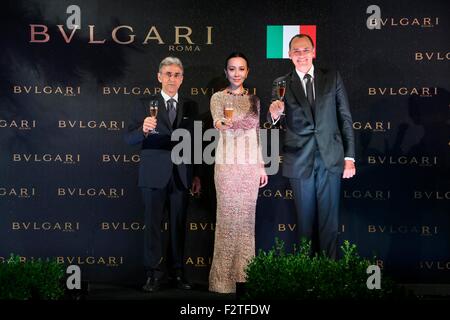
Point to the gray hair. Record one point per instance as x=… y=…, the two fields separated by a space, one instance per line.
x=170 y=61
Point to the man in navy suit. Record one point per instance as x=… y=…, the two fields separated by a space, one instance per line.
x=164 y=184
x=319 y=145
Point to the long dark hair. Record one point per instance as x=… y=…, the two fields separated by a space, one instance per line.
x=236 y=54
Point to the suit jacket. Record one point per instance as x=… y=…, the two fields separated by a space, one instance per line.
x=156 y=167
x=329 y=127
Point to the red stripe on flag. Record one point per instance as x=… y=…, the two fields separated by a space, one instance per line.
x=310 y=30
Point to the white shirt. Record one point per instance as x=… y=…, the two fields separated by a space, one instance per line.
x=303 y=80
x=167 y=98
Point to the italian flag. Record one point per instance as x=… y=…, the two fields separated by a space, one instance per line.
x=278 y=38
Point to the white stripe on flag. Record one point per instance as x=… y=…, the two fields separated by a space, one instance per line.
x=288 y=33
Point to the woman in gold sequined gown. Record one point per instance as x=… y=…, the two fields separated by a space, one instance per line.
x=238 y=173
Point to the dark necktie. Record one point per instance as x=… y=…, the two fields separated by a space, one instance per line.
x=172 y=110
x=309 y=89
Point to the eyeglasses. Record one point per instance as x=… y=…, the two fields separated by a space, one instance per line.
x=302 y=51
x=169 y=75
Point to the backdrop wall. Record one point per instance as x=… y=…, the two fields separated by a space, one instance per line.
x=68 y=180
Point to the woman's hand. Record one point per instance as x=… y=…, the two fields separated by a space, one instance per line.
x=224 y=124
x=263 y=179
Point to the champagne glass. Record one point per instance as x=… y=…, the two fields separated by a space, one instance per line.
x=228 y=110
x=228 y=113
x=153 y=109
x=281 y=90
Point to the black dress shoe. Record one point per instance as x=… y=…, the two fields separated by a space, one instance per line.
x=182 y=284
x=152 y=285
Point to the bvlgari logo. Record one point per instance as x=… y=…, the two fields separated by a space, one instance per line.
x=18 y=124
x=112 y=193
x=402 y=229
x=47 y=90
x=367 y=194
x=425 y=161
x=374 y=126
x=283 y=227
x=199 y=261
x=195 y=91
x=24 y=259
x=182 y=39
x=423 y=22
x=376 y=22
x=432 y=56
x=201 y=226
x=431 y=195
x=121 y=158
x=110 y=125
x=91 y=260
x=435 y=265
x=47 y=158
x=17 y=192
x=109 y=261
x=135 y=91
x=277 y=194
x=45 y=226
x=403 y=91
x=128 y=226
x=122 y=226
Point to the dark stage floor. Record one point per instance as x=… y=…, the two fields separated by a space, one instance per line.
x=98 y=291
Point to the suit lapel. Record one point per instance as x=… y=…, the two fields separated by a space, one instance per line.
x=319 y=81
x=163 y=116
x=180 y=106
x=297 y=88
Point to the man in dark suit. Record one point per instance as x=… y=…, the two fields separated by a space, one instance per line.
x=319 y=145
x=164 y=185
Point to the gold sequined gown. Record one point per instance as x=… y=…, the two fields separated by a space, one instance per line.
x=236 y=175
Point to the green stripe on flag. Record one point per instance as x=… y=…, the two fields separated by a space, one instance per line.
x=274 y=42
